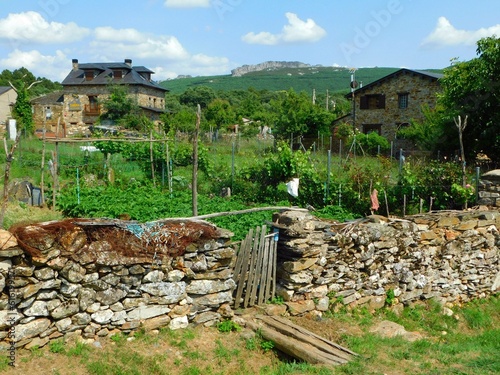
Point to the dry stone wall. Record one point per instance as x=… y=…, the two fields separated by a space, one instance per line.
x=452 y=257
x=489 y=188
x=88 y=279
x=92 y=279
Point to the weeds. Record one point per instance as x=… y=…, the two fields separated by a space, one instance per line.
x=228 y=326
x=57 y=346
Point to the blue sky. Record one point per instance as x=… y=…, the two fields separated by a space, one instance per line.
x=211 y=37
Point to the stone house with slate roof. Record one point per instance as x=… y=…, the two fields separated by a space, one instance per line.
x=87 y=85
x=392 y=102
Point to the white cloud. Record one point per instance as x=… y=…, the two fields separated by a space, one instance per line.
x=296 y=31
x=263 y=37
x=31 y=27
x=54 y=67
x=130 y=42
x=187 y=3
x=153 y=50
x=445 y=34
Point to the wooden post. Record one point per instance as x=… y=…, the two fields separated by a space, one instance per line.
x=151 y=159
x=54 y=178
x=386 y=203
x=461 y=127
x=43 y=163
x=9 y=157
x=169 y=171
x=195 y=162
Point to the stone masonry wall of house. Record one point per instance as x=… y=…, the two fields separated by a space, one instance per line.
x=77 y=122
x=84 y=282
x=452 y=257
x=422 y=91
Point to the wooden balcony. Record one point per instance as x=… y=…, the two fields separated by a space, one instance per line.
x=92 y=109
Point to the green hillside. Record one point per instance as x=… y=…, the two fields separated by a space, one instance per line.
x=333 y=79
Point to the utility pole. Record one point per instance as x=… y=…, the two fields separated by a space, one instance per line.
x=195 y=163
x=354 y=85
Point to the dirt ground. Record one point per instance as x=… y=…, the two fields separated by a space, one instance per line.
x=206 y=349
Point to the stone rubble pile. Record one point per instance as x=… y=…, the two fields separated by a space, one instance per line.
x=452 y=257
x=69 y=287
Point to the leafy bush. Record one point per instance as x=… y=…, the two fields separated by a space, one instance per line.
x=372 y=142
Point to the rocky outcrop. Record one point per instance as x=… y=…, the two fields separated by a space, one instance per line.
x=268 y=65
x=452 y=257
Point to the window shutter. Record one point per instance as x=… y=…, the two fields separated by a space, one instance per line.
x=363 y=102
x=381 y=102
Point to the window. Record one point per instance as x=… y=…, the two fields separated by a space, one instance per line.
x=403 y=100
x=372 y=101
x=89 y=75
x=369 y=128
x=93 y=107
x=117 y=73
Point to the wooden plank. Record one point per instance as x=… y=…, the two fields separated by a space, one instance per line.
x=250 y=287
x=238 y=266
x=258 y=266
x=287 y=328
x=275 y=265
x=242 y=268
x=264 y=280
x=270 y=267
x=294 y=347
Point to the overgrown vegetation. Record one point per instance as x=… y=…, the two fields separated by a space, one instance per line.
x=118 y=181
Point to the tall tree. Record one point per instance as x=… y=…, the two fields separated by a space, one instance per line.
x=220 y=113
x=117 y=105
x=22 y=107
x=296 y=114
x=472 y=88
x=202 y=95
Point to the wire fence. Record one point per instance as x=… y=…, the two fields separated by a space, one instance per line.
x=79 y=163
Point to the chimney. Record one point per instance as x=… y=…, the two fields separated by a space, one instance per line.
x=128 y=62
x=75 y=64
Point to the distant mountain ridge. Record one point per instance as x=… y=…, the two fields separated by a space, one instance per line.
x=268 y=65
x=282 y=75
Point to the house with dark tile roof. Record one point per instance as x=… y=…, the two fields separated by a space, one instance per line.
x=88 y=84
x=392 y=102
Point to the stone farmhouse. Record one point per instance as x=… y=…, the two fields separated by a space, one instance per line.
x=8 y=97
x=392 y=102
x=77 y=107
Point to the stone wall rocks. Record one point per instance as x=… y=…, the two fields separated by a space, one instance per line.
x=452 y=257
x=86 y=280
x=61 y=280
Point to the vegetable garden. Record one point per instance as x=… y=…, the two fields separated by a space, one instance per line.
x=149 y=180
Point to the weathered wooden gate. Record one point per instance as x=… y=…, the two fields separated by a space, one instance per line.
x=255 y=268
